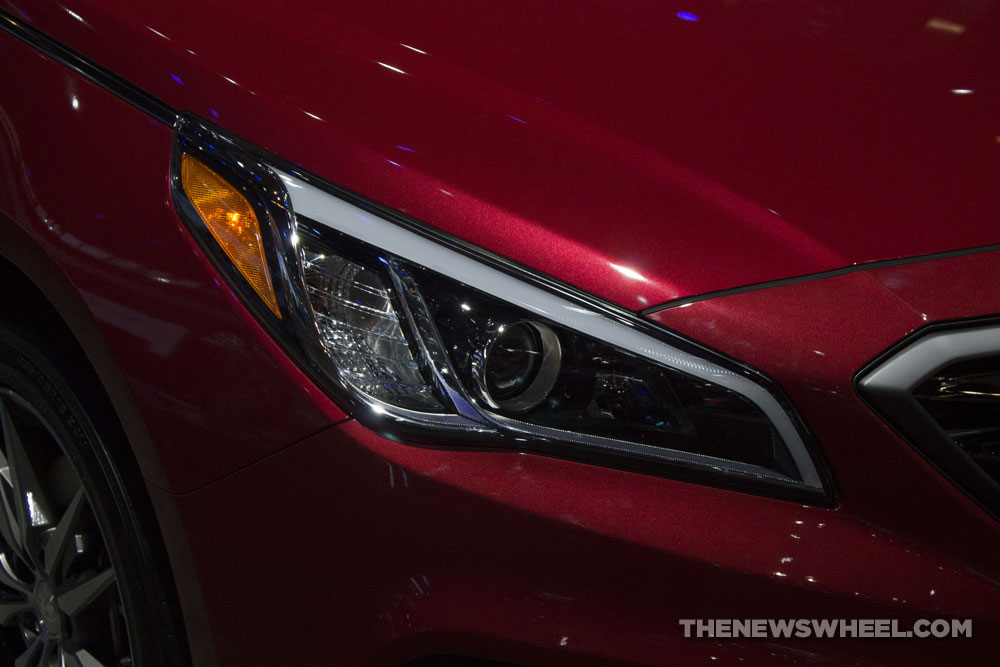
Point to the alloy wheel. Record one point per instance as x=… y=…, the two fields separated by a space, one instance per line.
x=59 y=600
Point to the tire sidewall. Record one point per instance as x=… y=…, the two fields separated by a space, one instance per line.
x=26 y=370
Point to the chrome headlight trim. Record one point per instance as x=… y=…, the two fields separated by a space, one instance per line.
x=284 y=195
x=340 y=215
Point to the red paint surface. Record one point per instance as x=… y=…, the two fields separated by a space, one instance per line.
x=545 y=562
x=647 y=142
x=814 y=337
x=90 y=184
x=759 y=142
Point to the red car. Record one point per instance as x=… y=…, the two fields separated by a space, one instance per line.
x=465 y=333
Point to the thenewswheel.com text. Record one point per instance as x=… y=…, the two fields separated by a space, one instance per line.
x=864 y=628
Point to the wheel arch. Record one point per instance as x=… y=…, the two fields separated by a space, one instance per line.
x=41 y=300
x=37 y=291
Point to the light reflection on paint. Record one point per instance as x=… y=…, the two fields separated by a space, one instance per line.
x=628 y=272
x=390 y=67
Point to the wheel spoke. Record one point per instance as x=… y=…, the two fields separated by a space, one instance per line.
x=48 y=649
x=78 y=598
x=67 y=659
x=41 y=553
x=56 y=546
x=84 y=658
x=30 y=504
x=9 y=579
x=30 y=655
x=9 y=610
x=8 y=516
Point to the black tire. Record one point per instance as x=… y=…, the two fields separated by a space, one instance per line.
x=77 y=575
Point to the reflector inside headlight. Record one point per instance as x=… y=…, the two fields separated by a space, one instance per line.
x=431 y=340
x=360 y=330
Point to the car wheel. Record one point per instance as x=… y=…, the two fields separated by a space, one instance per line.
x=77 y=585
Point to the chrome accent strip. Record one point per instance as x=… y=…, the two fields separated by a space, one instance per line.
x=915 y=363
x=889 y=386
x=358 y=223
x=89 y=69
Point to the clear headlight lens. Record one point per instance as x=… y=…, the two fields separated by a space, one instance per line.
x=429 y=340
x=360 y=331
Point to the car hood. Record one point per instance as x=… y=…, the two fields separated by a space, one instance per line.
x=645 y=151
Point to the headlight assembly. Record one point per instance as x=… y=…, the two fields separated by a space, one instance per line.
x=428 y=340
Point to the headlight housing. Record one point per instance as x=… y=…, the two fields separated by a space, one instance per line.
x=429 y=340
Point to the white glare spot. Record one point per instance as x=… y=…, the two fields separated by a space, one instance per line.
x=412 y=48
x=6 y=566
x=627 y=272
x=230 y=80
x=562 y=642
x=962 y=91
x=446 y=192
x=157 y=32
x=295 y=239
x=780 y=574
x=75 y=15
x=311 y=115
x=394 y=69
x=466 y=307
x=786 y=559
x=75 y=102
x=932 y=591
x=38 y=517
x=378 y=409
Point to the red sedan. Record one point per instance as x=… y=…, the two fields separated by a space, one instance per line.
x=466 y=333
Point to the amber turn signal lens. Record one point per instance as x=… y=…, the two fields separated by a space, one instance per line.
x=233 y=224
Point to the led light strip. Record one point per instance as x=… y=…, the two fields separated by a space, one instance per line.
x=344 y=217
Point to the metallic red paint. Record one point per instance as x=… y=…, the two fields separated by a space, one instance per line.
x=542 y=134
x=813 y=337
x=198 y=366
x=757 y=143
x=541 y=561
